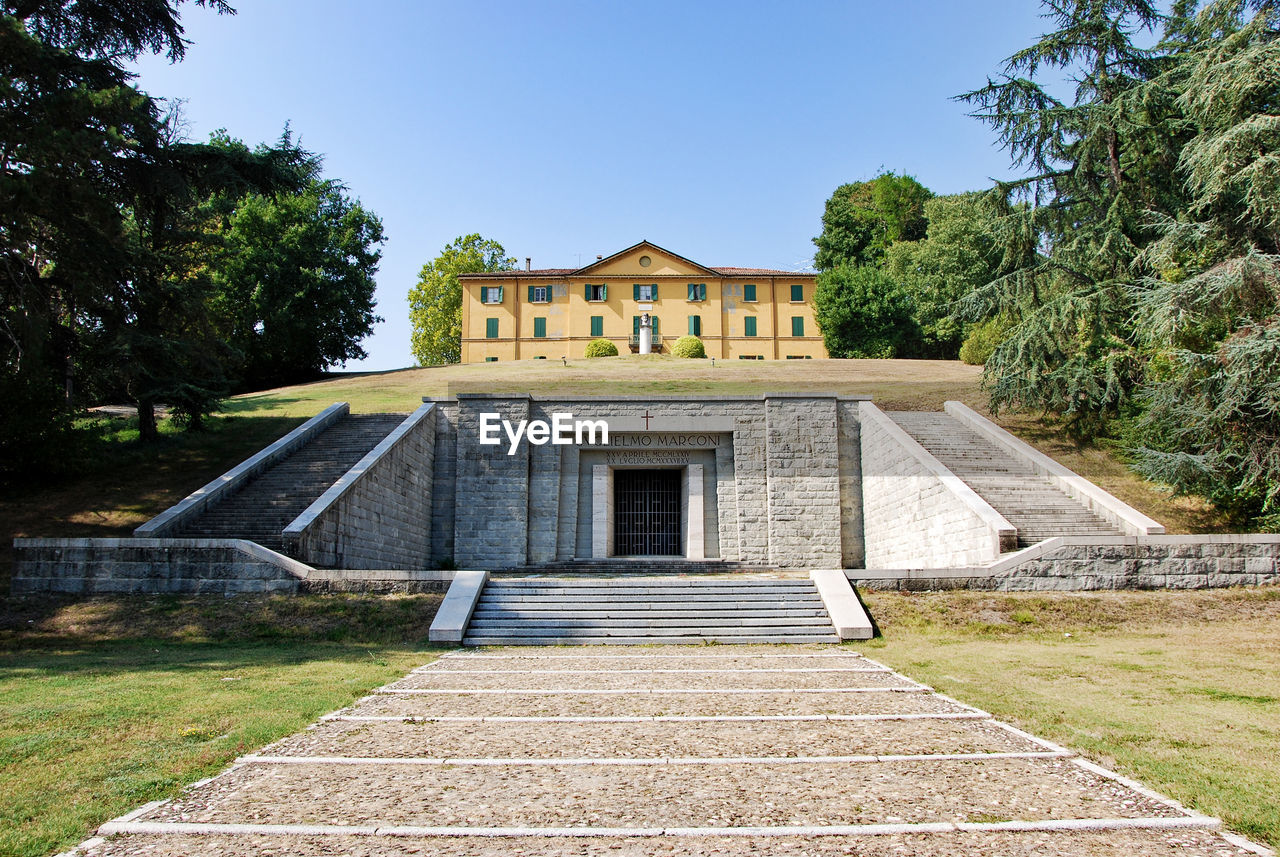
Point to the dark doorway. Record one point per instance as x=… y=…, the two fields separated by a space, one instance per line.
x=646 y=513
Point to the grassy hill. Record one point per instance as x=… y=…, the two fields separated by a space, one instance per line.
x=125 y=484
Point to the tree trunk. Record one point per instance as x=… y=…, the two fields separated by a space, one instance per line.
x=147 y=430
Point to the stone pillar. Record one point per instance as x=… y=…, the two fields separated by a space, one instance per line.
x=601 y=511
x=695 y=527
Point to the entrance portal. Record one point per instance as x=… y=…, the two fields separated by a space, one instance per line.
x=646 y=512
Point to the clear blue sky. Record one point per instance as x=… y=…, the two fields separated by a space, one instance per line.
x=565 y=130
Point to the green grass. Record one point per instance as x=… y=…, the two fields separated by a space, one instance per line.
x=1180 y=690
x=110 y=703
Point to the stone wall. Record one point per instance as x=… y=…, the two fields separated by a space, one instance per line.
x=491 y=523
x=151 y=566
x=803 y=473
x=1103 y=562
x=378 y=515
x=915 y=512
x=853 y=549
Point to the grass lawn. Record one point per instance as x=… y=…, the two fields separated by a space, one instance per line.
x=1180 y=690
x=110 y=703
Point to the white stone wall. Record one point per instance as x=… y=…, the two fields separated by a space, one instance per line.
x=803 y=473
x=912 y=517
x=491 y=528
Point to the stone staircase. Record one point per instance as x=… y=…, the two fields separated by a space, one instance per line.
x=1012 y=487
x=640 y=567
x=559 y=611
x=266 y=505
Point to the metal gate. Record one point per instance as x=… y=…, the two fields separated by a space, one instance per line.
x=646 y=512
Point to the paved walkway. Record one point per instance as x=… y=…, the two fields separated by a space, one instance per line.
x=712 y=750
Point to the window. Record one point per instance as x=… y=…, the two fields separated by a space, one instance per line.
x=539 y=295
x=695 y=325
x=697 y=291
x=597 y=292
x=539 y=328
x=597 y=325
x=749 y=326
x=749 y=293
x=797 y=325
x=797 y=294
x=491 y=360
x=645 y=293
x=491 y=328
x=491 y=294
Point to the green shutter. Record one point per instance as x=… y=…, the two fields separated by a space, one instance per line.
x=604 y=293
x=797 y=294
x=635 y=326
x=531 y=294
x=654 y=319
x=693 y=291
x=653 y=291
x=797 y=325
x=539 y=328
x=597 y=325
x=749 y=325
x=635 y=292
x=588 y=294
x=499 y=294
x=491 y=328
x=695 y=325
x=749 y=292
x=484 y=294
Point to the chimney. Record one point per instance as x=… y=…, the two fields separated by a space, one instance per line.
x=598 y=258
x=528 y=263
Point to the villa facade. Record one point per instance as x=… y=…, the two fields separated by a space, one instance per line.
x=738 y=313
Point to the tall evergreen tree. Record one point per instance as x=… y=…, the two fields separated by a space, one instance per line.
x=1070 y=231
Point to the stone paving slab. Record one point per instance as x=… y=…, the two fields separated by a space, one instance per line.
x=647 y=704
x=709 y=769
x=697 y=658
x=612 y=795
x=603 y=680
x=1111 y=843
x=398 y=739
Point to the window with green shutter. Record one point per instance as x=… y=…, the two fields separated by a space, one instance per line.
x=697 y=291
x=695 y=325
x=797 y=325
x=539 y=328
x=598 y=292
x=491 y=294
x=749 y=293
x=643 y=292
x=491 y=328
x=749 y=325
x=539 y=295
x=797 y=294
x=597 y=325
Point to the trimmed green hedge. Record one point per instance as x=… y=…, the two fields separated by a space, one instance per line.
x=601 y=348
x=688 y=346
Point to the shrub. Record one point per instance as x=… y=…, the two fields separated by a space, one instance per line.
x=601 y=348
x=688 y=346
x=864 y=313
x=983 y=339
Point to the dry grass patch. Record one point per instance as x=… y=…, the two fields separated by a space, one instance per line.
x=1178 y=689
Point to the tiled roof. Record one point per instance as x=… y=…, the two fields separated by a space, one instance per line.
x=505 y=275
x=763 y=272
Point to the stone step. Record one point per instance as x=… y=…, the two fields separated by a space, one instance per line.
x=691 y=639
x=654 y=631
x=489 y=613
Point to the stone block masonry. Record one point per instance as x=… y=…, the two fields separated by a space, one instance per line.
x=152 y=566
x=378 y=515
x=803 y=472
x=491 y=528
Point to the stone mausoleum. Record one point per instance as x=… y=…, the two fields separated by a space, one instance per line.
x=731 y=487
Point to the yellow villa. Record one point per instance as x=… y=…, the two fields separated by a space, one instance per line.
x=738 y=313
